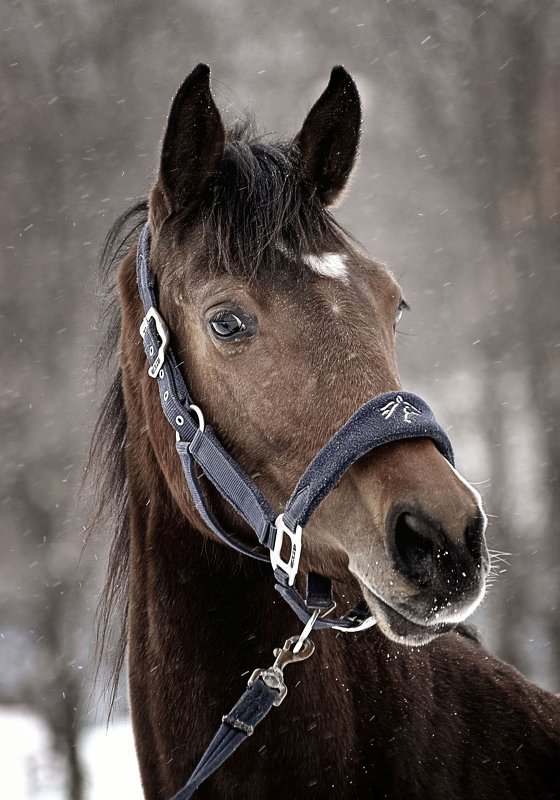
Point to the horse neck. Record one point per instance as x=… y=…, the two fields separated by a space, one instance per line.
x=201 y=619
x=193 y=588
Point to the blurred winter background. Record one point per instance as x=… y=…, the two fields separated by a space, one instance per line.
x=457 y=189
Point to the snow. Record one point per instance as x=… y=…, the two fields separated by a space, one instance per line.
x=111 y=763
x=30 y=771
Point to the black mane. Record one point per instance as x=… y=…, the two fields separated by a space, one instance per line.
x=106 y=458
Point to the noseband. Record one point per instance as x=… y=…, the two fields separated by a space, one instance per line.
x=389 y=417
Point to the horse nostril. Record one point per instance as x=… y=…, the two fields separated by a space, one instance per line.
x=416 y=543
x=474 y=536
x=425 y=554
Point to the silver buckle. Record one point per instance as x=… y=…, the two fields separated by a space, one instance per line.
x=163 y=334
x=369 y=622
x=291 y=566
x=199 y=416
x=274 y=675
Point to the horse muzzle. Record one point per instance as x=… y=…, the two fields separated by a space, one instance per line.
x=433 y=583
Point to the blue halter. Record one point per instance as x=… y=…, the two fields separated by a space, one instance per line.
x=390 y=417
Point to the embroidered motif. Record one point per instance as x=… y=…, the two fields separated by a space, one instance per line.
x=408 y=410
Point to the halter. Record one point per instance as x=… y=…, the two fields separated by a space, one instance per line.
x=389 y=417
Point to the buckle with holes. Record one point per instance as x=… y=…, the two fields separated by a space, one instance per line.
x=290 y=567
x=200 y=417
x=163 y=334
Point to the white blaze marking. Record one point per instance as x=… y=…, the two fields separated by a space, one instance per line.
x=330 y=265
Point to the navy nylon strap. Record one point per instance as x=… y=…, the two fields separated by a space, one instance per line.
x=238 y=725
x=319 y=592
x=189 y=469
x=237 y=488
x=389 y=417
x=357 y=619
x=144 y=276
x=176 y=403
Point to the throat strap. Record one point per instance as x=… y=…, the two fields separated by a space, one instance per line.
x=234 y=485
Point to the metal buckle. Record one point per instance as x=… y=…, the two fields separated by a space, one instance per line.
x=291 y=566
x=369 y=622
x=163 y=334
x=200 y=417
x=274 y=675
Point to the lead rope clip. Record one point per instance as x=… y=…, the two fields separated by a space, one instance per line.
x=296 y=648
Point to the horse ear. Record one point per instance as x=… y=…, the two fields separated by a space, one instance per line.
x=328 y=141
x=193 y=146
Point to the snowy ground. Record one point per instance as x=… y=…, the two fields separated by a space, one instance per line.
x=28 y=771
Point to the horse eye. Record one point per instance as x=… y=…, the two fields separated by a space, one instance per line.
x=227 y=325
x=403 y=305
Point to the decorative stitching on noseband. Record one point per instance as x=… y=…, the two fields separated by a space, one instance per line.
x=408 y=410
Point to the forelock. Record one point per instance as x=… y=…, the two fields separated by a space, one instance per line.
x=258 y=211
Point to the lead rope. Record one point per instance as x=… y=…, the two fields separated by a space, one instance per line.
x=266 y=688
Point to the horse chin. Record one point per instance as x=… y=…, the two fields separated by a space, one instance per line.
x=399 y=628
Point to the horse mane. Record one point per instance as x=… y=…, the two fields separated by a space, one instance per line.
x=106 y=458
x=257 y=211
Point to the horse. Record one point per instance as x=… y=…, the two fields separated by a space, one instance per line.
x=283 y=326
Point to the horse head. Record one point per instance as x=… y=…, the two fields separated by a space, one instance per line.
x=283 y=327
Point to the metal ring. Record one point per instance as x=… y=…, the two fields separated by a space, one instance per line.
x=166 y=396
x=151 y=349
x=161 y=373
x=200 y=417
x=179 y=420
